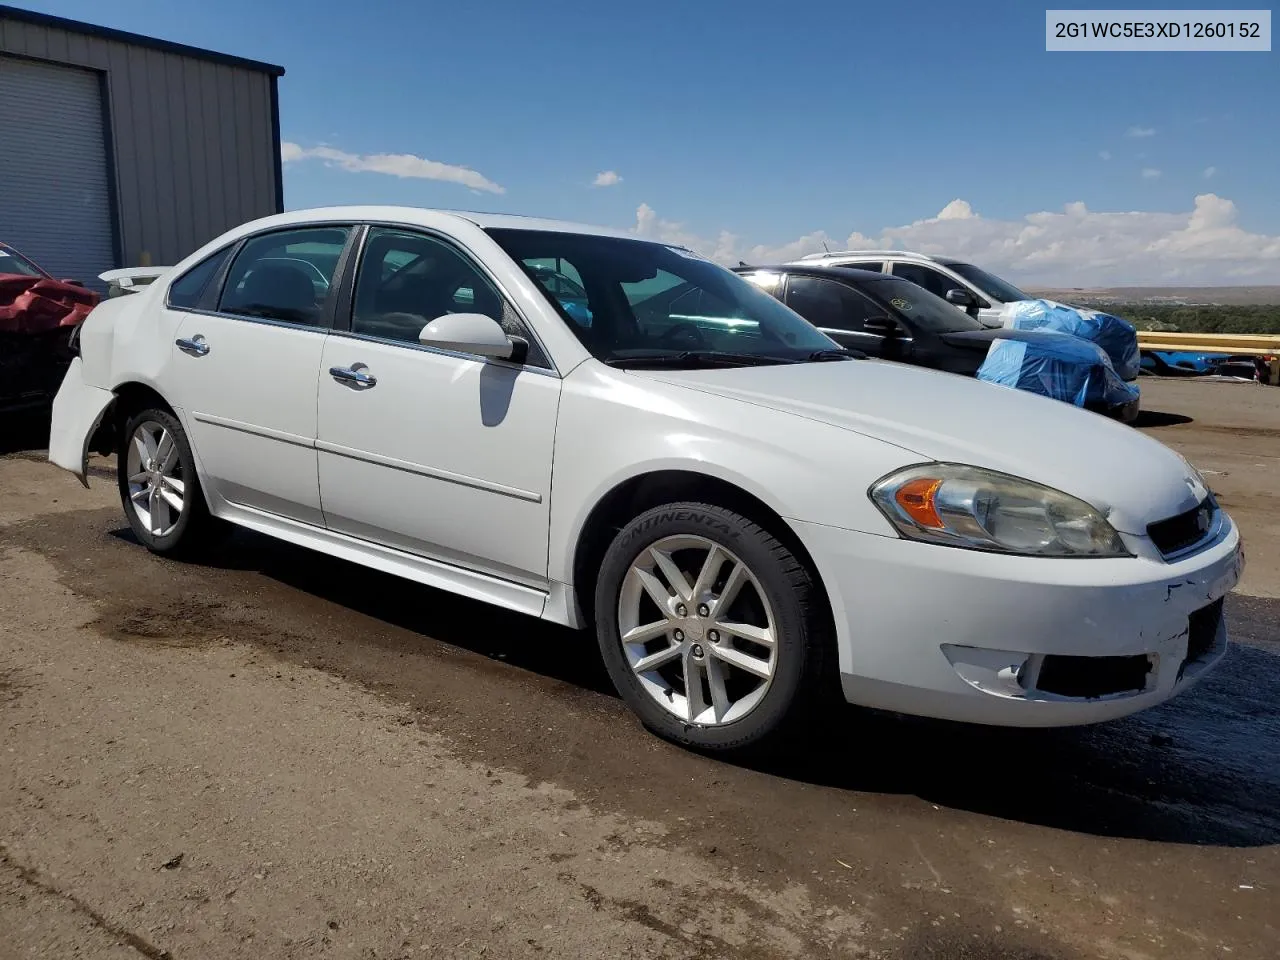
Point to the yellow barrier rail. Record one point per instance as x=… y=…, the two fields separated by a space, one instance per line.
x=1241 y=344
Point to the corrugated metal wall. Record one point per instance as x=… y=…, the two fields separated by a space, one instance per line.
x=55 y=196
x=193 y=141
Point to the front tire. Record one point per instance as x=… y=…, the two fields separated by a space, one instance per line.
x=712 y=630
x=159 y=488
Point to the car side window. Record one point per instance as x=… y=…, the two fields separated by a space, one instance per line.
x=285 y=276
x=407 y=279
x=826 y=303
x=875 y=266
x=934 y=281
x=187 y=290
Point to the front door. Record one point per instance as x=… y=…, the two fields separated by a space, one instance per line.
x=841 y=313
x=245 y=371
x=437 y=453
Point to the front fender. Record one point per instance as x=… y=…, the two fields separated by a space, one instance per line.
x=78 y=410
x=614 y=427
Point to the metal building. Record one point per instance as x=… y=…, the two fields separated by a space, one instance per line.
x=122 y=150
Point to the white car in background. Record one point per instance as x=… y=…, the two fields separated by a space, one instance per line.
x=752 y=521
x=983 y=295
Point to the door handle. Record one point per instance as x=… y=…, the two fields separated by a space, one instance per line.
x=355 y=376
x=196 y=346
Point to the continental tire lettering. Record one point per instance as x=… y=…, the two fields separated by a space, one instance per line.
x=693 y=517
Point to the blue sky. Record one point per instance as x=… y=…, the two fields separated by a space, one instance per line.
x=769 y=123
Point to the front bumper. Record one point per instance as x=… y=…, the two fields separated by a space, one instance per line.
x=987 y=638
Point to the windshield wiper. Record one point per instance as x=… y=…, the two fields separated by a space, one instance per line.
x=688 y=358
x=838 y=353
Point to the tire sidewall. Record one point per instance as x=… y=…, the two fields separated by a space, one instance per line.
x=758 y=550
x=175 y=538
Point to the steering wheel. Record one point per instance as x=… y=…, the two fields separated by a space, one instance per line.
x=683 y=329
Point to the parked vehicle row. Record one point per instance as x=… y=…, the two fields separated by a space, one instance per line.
x=1061 y=370
x=617 y=434
x=982 y=294
x=892 y=318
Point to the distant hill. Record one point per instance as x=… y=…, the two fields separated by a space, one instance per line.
x=1163 y=296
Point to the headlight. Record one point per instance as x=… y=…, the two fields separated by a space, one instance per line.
x=978 y=509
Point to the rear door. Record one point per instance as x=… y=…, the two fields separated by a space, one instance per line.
x=249 y=354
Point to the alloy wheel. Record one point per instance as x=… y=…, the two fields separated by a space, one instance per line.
x=157 y=490
x=697 y=630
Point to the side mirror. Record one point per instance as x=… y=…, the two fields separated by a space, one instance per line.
x=880 y=326
x=961 y=298
x=472 y=333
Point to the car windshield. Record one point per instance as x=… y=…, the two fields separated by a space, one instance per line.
x=12 y=262
x=917 y=306
x=646 y=300
x=990 y=284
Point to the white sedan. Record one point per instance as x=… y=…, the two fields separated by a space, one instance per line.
x=752 y=521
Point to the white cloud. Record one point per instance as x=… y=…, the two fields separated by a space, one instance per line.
x=1210 y=172
x=1140 y=132
x=392 y=164
x=956 y=210
x=1104 y=154
x=1072 y=247
x=1150 y=173
x=606 y=178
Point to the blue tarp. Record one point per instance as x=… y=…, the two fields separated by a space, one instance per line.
x=1059 y=367
x=1116 y=336
x=1182 y=361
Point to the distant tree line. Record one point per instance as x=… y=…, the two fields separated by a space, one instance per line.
x=1219 y=319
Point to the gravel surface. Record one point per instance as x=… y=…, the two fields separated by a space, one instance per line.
x=276 y=754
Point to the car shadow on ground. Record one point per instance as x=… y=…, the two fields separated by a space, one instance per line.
x=1155 y=418
x=1202 y=769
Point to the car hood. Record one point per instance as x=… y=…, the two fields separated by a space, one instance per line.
x=1131 y=478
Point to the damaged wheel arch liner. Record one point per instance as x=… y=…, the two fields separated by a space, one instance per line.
x=83 y=420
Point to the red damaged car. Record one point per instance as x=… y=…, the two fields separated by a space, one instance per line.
x=38 y=315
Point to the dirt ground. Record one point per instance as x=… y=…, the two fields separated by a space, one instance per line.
x=276 y=754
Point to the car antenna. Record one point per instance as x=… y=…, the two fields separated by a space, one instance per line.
x=825 y=248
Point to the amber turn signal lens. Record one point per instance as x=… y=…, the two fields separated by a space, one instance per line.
x=915 y=497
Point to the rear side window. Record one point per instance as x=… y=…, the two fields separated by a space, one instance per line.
x=285 y=276
x=932 y=280
x=187 y=290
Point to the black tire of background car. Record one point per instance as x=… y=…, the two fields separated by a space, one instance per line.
x=802 y=691
x=196 y=528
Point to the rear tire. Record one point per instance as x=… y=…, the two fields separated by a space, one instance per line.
x=159 y=488
x=729 y=644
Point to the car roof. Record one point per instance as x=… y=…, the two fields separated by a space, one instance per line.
x=849 y=273
x=424 y=216
x=831 y=255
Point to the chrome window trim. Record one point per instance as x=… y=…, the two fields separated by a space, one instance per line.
x=440 y=351
x=246 y=318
